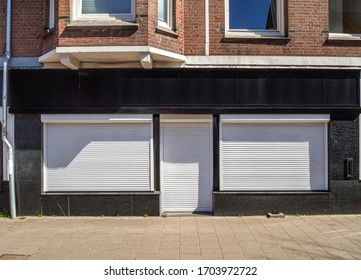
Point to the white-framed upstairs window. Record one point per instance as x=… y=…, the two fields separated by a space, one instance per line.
x=254 y=18
x=345 y=19
x=165 y=13
x=104 y=10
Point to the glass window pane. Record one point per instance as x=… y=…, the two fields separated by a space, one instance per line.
x=345 y=16
x=162 y=10
x=253 y=14
x=106 y=6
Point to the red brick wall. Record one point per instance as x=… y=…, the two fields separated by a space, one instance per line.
x=50 y=41
x=103 y=36
x=194 y=27
x=164 y=41
x=27 y=27
x=307 y=18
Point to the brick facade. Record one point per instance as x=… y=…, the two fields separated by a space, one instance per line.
x=306 y=26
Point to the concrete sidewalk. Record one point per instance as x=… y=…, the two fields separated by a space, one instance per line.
x=193 y=237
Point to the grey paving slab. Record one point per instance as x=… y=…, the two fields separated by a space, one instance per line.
x=190 y=237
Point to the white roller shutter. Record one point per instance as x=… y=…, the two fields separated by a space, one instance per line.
x=186 y=167
x=97 y=157
x=269 y=156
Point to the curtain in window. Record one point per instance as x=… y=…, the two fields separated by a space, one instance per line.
x=106 y=6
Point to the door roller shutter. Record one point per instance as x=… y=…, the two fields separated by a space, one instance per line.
x=273 y=157
x=97 y=157
x=186 y=167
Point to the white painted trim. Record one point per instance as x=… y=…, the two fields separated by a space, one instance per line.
x=44 y=159
x=54 y=55
x=273 y=118
x=272 y=62
x=326 y=154
x=186 y=118
x=101 y=49
x=77 y=13
x=161 y=166
x=22 y=62
x=151 y=156
x=87 y=118
x=298 y=62
x=70 y=61
x=239 y=33
x=220 y=169
x=11 y=137
x=146 y=60
x=206 y=10
x=175 y=56
x=344 y=36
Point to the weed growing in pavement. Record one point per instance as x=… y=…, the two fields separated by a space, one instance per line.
x=4 y=215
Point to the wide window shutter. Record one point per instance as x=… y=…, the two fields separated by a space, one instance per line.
x=273 y=157
x=97 y=157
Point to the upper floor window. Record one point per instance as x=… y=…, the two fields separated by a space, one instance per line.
x=104 y=9
x=345 y=18
x=259 y=18
x=165 y=13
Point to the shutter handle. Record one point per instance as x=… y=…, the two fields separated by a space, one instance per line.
x=349 y=168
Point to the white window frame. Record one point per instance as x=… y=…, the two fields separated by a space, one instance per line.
x=95 y=119
x=343 y=36
x=276 y=119
x=77 y=14
x=169 y=23
x=239 y=33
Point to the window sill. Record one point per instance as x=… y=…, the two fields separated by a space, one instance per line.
x=228 y=38
x=116 y=24
x=166 y=31
x=343 y=37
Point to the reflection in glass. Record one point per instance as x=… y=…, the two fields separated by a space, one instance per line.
x=162 y=10
x=345 y=16
x=106 y=6
x=253 y=14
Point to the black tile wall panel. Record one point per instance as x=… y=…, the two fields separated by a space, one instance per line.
x=343 y=143
x=28 y=163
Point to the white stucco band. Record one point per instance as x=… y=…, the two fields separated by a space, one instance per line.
x=131 y=57
x=110 y=57
x=273 y=62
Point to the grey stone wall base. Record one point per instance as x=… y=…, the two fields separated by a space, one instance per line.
x=344 y=198
x=100 y=205
x=4 y=198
